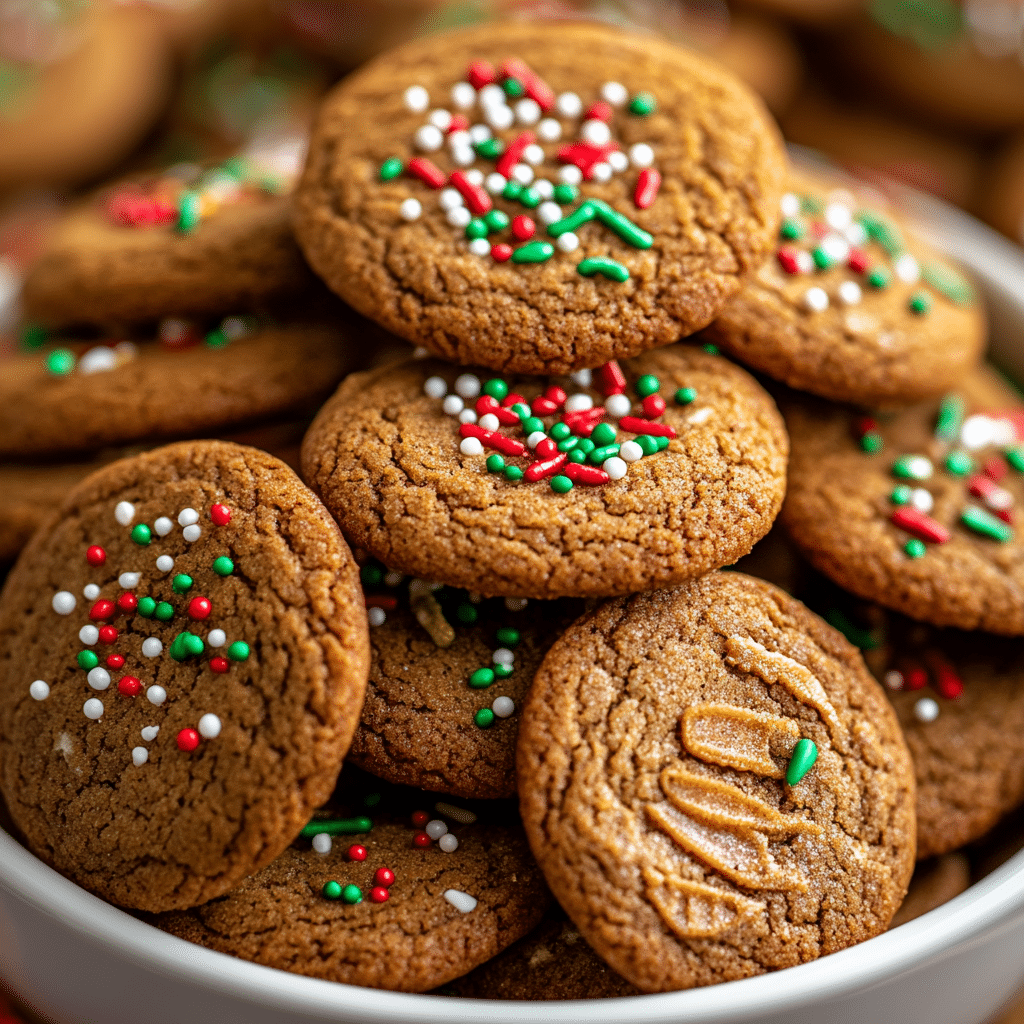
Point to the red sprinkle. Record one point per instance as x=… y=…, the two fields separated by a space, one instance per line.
x=220 y=514
x=502 y=252
x=219 y=664
x=1005 y=514
x=384 y=876
x=535 y=86
x=819 y=228
x=787 y=257
x=127 y=602
x=523 y=227
x=585 y=155
x=582 y=423
x=947 y=682
x=102 y=609
x=385 y=601
x=188 y=740
x=546 y=448
x=199 y=607
x=95 y=555
x=635 y=425
x=599 y=111
x=982 y=486
x=547 y=467
x=379 y=894
x=588 y=475
x=648 y=183
x=486 y=404
x=610 y=379
x=115 y=661
x=356 y=852
x=550 y=402
x=863 y=425
x=857 y=261
x=920 y=525
x=459 y=124
x=108 y=634
x=513 y=152
x=481 y=73
x=915 y=678
x=654 y=406
x=427 y=171
x=420 y=818
x=512 y=398
x=493 y=440
x=421 y=839
x=996 y=468
x=477 y=199
x=129 y=686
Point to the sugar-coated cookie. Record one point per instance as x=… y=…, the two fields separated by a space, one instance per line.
x=183 y=657
x=714 y=785
x=496 y=197
x=539 y=488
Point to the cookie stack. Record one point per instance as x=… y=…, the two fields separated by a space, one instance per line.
x=539 y=499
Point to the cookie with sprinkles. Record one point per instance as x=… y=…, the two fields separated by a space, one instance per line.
x=515 y=204
x=448 y=673
x=916 y=510
x=402 y=903
x=183 y=656
x=608 y=482
x=714 y=785
x=852 y=305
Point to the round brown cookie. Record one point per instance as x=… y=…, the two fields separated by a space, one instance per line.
x=1002 y=199
x=552 y=962
x=914 y=511
x=441 y=709
x=670 y=791
x=154 y=390
x=852 y=306
x=397 y=249
x=389 y=463
x=443 y=914
x=935 y=882
x=176 y=694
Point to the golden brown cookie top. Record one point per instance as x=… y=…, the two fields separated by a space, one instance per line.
x=183 y=656
x=853 y=305
x=638 y=185
x=714 y=786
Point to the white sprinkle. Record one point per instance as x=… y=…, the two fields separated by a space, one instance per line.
x=140 y=755
x=570 y=174
x=618 y=406
x=918 y=467
x=597 y=133
x=152 y=647
x=233 y=327
x=209 y=727
x=463 y=156
x=467 y=416
x=165 y=563
x=569 y=104
x=124 y=513
x=150 y=732
x=419 y=352
x=435 y=829
x=460 y=139
x=93 y=708
x=618 y=161
x=922 y=500
x=816 y=299
x=64 y=602
x=907 y=269
x=641 y=155
x=614 y=93
x=700 y=416
x=894 y=679
x=435 y=387
x=836 y=248
x=458 y=216
x=601 y=171
x=499 y=116
x=568 y=241
x=838 y=216
x=535 y=438
x=583 y=378
x=549 y=130
x=503 y=706
x=804 y=262
x=188 y=516
x=156 y=695
x=489 y=421
x=631 y=452
x=467 y=385
x=410 y=209
x=475 y=177
x=450 y=199
x=495 y=183
x=460 y=900
x=459 y=814
x=39 y=690
x=849 y=293
x=790 y=204
x=463 y=95
x=216 y=638
x=491 y=95
x=322 y=841
x=480 y=247
x=479 y=133
x=448 y=843
x=392 y=578
x=544 y=188
x=523 y=173
x=578 y=403
x=440 y=119
x=192 y=533
x=90 y=591
x=548 y=213
x=98 y=678
x=417 y=99
x=376 y=616
x=428 y=138
x=471 y=446
x=128 y=580
x=856 y=233
x=503 y=656
x=528 y=111
x=977 y=432
x=926 y=710
x=533 y=155
x=615 y=468
x=452 y=405
x=515 y=604
x=97 y=359
x=163 y=526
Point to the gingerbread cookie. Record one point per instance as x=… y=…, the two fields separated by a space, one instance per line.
x=406 y=904
x=80 y=396
x=626 y=479
x=852 y=306
x=511 y=205
x=447 y=676
x=183 y=656
x=935 y=882
x=916 y=510
x=714 y=786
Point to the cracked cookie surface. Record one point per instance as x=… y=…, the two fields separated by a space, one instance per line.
x=183 y=656
x=412 y=267
x=656 y=764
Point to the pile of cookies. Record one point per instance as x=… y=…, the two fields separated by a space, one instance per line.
x=580 y=758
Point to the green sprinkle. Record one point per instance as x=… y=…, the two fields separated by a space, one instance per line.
x=643 y=104
x=662 y=442
x=332 y=891
x=951 y=417
x=87 y=660
x=181 y=583
x=901 y=495
x=599 y=455
x=583 y=213
x=512 y=190
x=502 y=671
x=147 y=607
x=371 y=799
x=507 y=636
x=186 y=645
x=822 y=260
x=60 y=362
x=337 y=827
x=164 y=611
x=878 y=278
x=34 y=336
x=568 y=443
x=861 y=638
x=622 y=226
x=647 y=443
x=371 y=575
x=577 y=456
x=565 y=193
x=871 y=442
x=495 y=463
x=586 y=445
x=352 y=894
x=481 y=678
x=496 y=220
x=476 y=228
x=915 y=548
x=223 y=566
x=532 y=425
x=188 y=210
x=484 y=718
x=141 y=534
x=646 y=385
x=560 y=431
x=467 y=613
x=490 y=149
x=533 y=252
x=522 y=410
x=801 y=761
x=530 y=198
x=959 y=463
x=496 y=388
x=919 y=303
x=391 y=168
x=609 y=268
x=603 y=434
x=791 y=230
x=513 y=87
x=912 y=467
x=513 y=473
x=948 y=283
x=883 y=232
x=980 y=521
x=216 y=339
x=684 y=396
x=561 y=484
x=1015 y=457
x=238 y=651
x=810 y=204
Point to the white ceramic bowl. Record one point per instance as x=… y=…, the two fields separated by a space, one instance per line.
x=78 y=960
